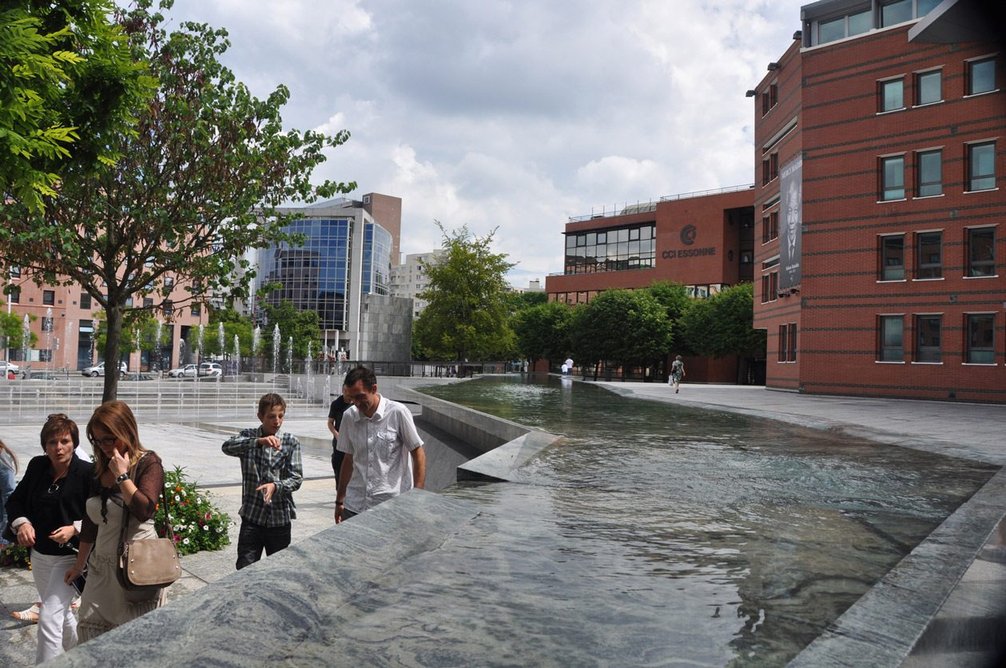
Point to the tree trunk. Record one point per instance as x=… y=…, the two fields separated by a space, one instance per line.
x=113 y=320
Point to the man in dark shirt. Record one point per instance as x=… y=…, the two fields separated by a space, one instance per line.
x=335 y=412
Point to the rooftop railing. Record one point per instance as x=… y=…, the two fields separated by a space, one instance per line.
x=651 y=205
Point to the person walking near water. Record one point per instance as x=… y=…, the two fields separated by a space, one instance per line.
x=677 y=373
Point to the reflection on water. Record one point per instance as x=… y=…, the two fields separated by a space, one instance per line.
x=695 y=536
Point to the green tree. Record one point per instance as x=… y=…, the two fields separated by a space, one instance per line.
x=194 y=187
x=723 y=324
x=234 y=324
x=302 y=326
x=543 y=332
x=12 y=331
x=67 y=83
x=466 y=317
x=621 y=327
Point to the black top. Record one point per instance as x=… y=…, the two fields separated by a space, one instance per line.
x=49 y=506
x=335 y=411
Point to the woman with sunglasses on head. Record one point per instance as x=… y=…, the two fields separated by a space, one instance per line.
x=129 y=479
x=45 y=512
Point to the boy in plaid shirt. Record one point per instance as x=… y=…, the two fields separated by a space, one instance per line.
x=271 y=471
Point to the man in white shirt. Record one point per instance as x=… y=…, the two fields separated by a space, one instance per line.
x=384 y=454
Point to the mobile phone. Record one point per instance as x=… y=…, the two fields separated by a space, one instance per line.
x=79 y=582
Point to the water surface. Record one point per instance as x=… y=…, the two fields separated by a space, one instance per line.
x=660 y=535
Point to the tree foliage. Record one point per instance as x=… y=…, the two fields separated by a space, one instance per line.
x=723 y=324
x=68 y=82
x=302 y=327
x=622 y=327
x=543 y=331
x=233 y=324
x=467 y=315
x=195 y=185
x=12 y=331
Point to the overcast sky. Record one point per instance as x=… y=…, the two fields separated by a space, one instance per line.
x=514 y=115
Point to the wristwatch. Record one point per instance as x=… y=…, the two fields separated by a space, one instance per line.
x=122 y=478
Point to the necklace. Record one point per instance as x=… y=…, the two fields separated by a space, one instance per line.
x=54 y=487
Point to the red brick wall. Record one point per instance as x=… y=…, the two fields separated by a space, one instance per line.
x=843 y=137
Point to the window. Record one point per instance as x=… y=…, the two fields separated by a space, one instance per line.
x=844 y=26
x=892 y=178
x=169 y=281
x=769 y=168
x=783 y=343
x=927 y=338
x=196 y=310
x=148 y=302
x=929 y=255
x=926 y=6
x=85 y=300
x=15 y=272
x=895 y=12
x=980 y=341
x=46 y=324
x=891 y=95
x=981 y=76
x=929 y=173
x=892 y=257
x=168 y=307
x=770 y=287
x=791 y=340
x=982 y=166
x=14 y=293
x=891 y=338
x=48 y=297
x=981 y=251
x=928 y=87
x=770 y=227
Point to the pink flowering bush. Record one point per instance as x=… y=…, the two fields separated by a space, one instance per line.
x=197 y=524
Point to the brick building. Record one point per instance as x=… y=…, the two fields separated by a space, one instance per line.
x=703 y=240
x=879 y=262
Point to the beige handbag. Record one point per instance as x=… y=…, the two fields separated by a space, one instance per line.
x=149 y=563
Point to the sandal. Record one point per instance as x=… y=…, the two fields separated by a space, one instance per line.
x=30 y=615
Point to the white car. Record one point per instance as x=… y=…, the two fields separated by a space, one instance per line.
x=187 y=371
x=99 y=370
x=211 y=369
x=8 y=367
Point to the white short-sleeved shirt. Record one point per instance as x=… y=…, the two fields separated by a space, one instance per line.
x=381 y=447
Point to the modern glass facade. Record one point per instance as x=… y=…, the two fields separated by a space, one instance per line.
x=315 y=275
x=376 y=260
x=617 y=249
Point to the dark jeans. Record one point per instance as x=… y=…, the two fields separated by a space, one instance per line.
x=254 y=537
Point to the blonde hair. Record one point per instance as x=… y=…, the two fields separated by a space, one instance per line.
x=117 y=419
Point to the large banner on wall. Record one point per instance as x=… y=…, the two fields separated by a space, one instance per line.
x=791 y=215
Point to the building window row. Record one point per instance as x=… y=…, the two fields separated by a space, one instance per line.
x=858 y=18
x=927 y=169
x=787 y=342
x=893 y=260
x=633 y=247
x=925 y=338
x=927 y=85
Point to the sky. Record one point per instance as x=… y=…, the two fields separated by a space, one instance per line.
x=510 y=117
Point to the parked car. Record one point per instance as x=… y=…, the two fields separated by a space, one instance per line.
x=187 y=371
x=211 y=370
x=99 y=370
x=10 y=367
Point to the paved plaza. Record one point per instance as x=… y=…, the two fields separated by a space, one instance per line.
x=966 y=430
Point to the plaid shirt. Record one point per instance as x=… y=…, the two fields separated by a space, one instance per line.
x=261 y=465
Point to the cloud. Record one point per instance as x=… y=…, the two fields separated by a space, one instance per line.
x=514 y=115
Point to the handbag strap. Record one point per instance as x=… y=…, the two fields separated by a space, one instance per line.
x=169 y=532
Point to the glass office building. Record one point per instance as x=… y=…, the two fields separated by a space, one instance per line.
x=319 y=275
